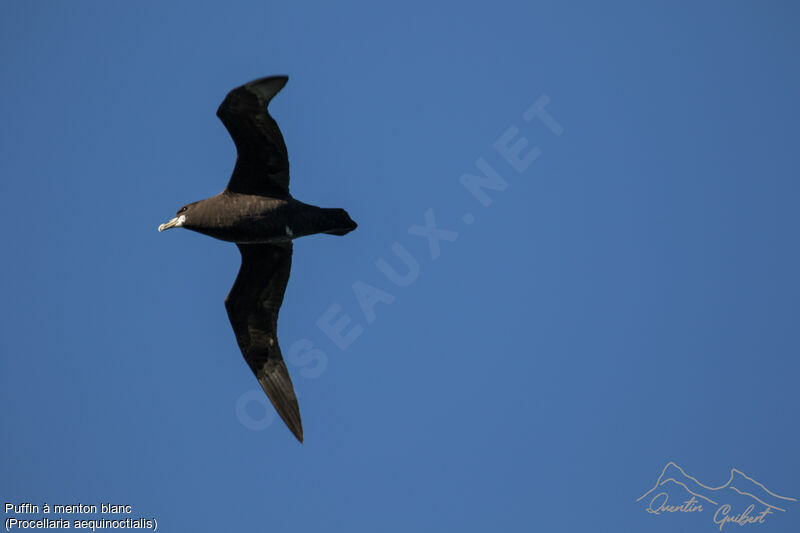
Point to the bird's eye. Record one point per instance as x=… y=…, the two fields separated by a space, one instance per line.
x=181 y=210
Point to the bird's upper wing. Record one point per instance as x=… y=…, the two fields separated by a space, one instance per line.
x=262 y=163
x=253 y=305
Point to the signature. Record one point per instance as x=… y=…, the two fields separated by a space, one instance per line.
x=741 y=500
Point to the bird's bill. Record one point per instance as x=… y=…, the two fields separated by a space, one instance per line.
x=176 y=222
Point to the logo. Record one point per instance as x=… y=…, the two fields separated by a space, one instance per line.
x=741 y=500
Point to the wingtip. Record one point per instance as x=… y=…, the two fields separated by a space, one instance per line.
x=275 y=380
x=275 y=83
x=296 y=427
x=242 y=97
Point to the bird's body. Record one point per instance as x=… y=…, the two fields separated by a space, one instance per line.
x=251 y=219
x=256 y=212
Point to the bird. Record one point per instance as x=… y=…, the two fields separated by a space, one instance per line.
x=257 y=213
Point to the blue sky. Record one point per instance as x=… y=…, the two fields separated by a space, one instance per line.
x=629 y=299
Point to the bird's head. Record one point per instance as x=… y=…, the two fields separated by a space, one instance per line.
x=180 y=218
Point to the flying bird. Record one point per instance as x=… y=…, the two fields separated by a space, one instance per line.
x=256 y=212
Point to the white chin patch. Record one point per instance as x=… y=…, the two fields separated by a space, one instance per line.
x=181 y=220
x=289 y=231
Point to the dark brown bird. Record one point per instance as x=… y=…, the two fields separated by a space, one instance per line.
x=257 y=212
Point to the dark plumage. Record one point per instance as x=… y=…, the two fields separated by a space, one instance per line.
x=257 y=212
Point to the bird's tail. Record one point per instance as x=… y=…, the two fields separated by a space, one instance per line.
x=338 y=221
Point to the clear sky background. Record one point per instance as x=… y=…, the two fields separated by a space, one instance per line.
x=629 y=299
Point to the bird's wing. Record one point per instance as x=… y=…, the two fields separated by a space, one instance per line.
x=253 y=305
x=262 y=163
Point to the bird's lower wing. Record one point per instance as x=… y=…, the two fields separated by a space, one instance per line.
x=253 y=305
